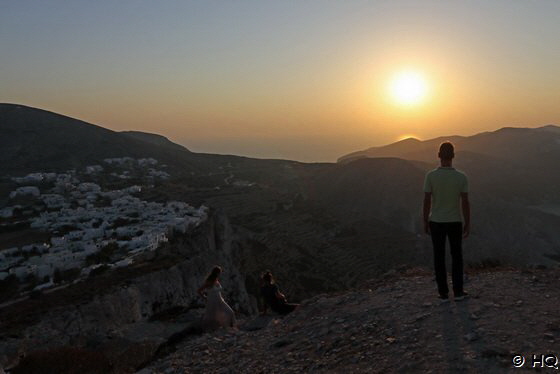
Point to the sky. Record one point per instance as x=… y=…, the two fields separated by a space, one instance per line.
x=301 y=80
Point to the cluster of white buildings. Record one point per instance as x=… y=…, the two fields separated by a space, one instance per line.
x=129 y=164
x=83 y=219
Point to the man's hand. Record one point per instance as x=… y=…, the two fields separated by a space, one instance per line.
x=427 y=227
x=427 y=206
x=466 y=206
x=466 y=230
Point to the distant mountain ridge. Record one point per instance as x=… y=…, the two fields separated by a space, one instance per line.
x=38 y=140
x=532 y=142
x=514 y=176
x=154 y=139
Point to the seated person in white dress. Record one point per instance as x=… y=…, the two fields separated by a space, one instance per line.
x=218 y=313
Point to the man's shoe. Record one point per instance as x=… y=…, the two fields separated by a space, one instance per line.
x=443 y=298
x=461 y=296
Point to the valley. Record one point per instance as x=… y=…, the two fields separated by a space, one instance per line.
x=141 y=220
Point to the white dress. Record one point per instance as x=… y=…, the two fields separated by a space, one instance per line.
x=218 y=313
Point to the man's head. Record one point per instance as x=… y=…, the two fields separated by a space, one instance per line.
x=446 y=151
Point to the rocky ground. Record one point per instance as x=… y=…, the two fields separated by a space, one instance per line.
x=395 y=324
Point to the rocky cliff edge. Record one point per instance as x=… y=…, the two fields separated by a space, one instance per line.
x=395 y=324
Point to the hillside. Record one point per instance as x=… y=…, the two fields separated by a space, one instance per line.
x=328 y=226
x=389 y=326
x=513 y=176
x=154 y=139
x=357 y=187
x=512 y=159
x=325 y=225
x=38 y=140
x=508 y=143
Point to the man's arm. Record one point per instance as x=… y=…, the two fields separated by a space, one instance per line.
x=466 y=213
x=427 y=208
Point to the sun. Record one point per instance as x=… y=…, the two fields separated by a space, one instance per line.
x=408 y=88
x=407 y=136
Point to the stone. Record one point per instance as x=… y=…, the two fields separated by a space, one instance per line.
x=257 y=323
x=471 y=336
x=281 y=343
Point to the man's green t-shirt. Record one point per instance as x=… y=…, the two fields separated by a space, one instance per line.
x=446 y=185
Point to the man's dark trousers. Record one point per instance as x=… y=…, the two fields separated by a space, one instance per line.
x=439 y=232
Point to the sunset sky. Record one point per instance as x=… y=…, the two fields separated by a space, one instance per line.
x=303 y=80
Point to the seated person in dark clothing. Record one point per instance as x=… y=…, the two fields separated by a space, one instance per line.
x=273 y=298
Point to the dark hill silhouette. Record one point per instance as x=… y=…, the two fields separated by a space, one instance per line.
x=154 y=139
x=38 y=140
x=525 y=145
x=384 y=188
x=514 y=174
x=511 y=161
x=410 y=149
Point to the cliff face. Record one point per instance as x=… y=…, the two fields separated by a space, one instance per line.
x=122 y=306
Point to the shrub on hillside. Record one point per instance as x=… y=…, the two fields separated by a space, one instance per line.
x=9 y=288
x=65 y=275
x=64 y=360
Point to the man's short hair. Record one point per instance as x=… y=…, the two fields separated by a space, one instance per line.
x=446 y=151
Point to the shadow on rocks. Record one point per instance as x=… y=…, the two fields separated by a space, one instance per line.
x=257 y=323
x=170 y=346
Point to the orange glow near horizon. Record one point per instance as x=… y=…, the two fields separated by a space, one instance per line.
x=407 y=136
x=280 y=79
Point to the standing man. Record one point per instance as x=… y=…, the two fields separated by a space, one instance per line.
x=445 y=196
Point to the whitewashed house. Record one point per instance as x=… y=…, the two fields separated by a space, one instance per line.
x=75 y=235
x=89 y=187
x=44 y=270
x=53 y=201
x=133 y=189
x=33 y=178
x=147 y=162
x=7 y=212
x=27 y=191
x=123 y=263
x=58 y=241
x=46 y=285
x=21 y=272
x=94 y=169
x=91 y=233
